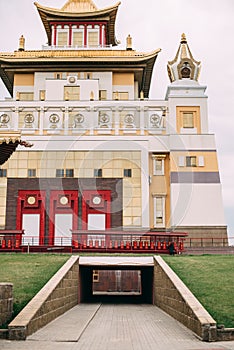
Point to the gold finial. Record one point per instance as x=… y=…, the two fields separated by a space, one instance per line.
x=183 y=38
x=21 y=43
x=129 y=42
x=91 y=95
x=142 y=95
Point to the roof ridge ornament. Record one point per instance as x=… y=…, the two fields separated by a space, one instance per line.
x=184 y=66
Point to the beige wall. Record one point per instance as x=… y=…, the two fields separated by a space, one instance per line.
x=123 y=79
x=24 y=80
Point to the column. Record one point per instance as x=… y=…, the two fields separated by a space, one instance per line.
x=142 y=121
x=41 y=120
x=145 y=186
x=66 y=120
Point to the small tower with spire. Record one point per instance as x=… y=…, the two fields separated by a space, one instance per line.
x=184 y=66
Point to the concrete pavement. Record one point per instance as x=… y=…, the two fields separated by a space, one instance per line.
x=114 y=327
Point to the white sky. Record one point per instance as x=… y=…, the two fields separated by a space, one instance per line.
x=209 y=27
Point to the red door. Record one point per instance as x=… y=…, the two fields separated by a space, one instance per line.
x=63 y=217
x=31 y=216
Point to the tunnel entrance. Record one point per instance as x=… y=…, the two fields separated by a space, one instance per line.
x=116 y=284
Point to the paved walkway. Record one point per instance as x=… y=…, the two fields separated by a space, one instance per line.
x=114 y=327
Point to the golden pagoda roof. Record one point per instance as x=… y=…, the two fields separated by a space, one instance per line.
x=87 y=60
x=79 y=6
x=80 y=10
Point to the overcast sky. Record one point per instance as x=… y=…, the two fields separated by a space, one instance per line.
x=209 y=27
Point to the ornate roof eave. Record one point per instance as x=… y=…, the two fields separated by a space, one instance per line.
x=31 y=61
x=9 y=141
x=108 y=14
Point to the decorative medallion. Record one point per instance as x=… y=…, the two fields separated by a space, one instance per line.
x=29 y=118
x=97 y=200
x=156 y=120
x=4 y=120
x=63 y=200
x=54 y=118
x=31 y=200
x=78 y=119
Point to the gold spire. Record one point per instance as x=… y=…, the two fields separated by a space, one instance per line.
x=21 y=43
x=183 y=38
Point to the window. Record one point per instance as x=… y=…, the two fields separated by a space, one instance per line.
x=191 y=161
x=97 y=173
x=64 y=172
x=72 y=93
x=93 y=38
x=159 y=211
x=58 y=75
x=158 y=165
x=120 y=95
x=69 y=172
x=127 y=172
x=188 y=120
x=78 y=38
x=102 y=95
x=62 y=38
x=25 y=96
x=31 y=172
x=3 y=172
x=59 y=172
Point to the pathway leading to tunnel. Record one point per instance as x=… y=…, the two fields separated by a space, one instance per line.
x=114 y=327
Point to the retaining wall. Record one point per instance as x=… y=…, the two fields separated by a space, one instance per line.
x=56 y=297
x=6 y=302
x=171 y=295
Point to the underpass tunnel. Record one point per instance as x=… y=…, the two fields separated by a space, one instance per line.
x=116 y=284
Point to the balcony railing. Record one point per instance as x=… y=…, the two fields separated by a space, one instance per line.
x=79 y=117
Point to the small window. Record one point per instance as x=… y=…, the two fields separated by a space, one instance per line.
x=62 y=38
x=58 y=76
x=127 y=172
x=72 y=93
x=93 y=38
x=31 y=172
x=191 y=161
x=69 y=172
x=97 y=172
x=119 y=95
x=59 y=172
x=102 y=95
x=159 y=207
x=188 y=120
x=25 y=96
x=3 y=172
x=158 y=165
x=78 y=38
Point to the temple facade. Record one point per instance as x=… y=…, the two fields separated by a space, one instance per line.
x=104 y=155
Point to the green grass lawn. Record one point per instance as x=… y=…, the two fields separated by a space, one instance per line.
x=29 y=273
x=211 y=279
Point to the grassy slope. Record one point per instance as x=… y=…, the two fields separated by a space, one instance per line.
x=28 y=273
x=211 y=279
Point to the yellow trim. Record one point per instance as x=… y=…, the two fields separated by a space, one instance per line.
x=24 y=80
x=188 y=109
